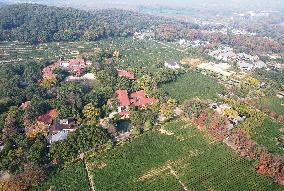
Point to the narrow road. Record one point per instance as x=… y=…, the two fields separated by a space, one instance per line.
x=90 y=176
x=173 y=172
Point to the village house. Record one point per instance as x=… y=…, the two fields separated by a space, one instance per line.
x=245 y=66
x=172 y=64
x=234 y=120
x=223 y=53
x=276 y=66
x=127 y=74
x=60 y=129
x=123 y=103
x=87 y=76
x=143 y=34
x=280 y=95
x=75 y=66
x=48 y=117
x=138 y=99
x=259 y=64
x=47 y=72
x=274 y=56
x=247 y=57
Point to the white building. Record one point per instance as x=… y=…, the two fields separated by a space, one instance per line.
x=221 y=68
x=172 y=64
x=259 y=64
x=247 y=57
x=245 y=66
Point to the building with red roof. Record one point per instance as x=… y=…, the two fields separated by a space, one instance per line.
x=77 y=66
x=127 y=74
x=122 y=97
x=48 y=117
x=138 y=99
x=47 y=71
x=123 y=103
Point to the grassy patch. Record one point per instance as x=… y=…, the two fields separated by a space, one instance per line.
x=186 y=158
x=194 y=84
x=69 y=179
x=267 y=135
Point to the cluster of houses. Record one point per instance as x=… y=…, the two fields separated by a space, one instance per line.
x=76 y=67
x=226 y=54
x=58 y=129
x=141 y=35
x=244 y=61
x=195 y=43
x=138 y=98
x=231 y=30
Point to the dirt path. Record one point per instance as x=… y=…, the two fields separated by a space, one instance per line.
x=166 y=169
x=90 y=176
x=173 y=172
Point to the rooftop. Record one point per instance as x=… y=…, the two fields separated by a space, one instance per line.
x=127 y=74
x=139 y=99
x=122 y=97
x=172 y=62
x=48 y=117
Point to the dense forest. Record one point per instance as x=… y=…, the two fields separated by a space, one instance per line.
x=35 y=23
x=39 y=23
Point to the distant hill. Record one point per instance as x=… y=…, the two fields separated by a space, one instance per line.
x=40 y=23
x=34 y=1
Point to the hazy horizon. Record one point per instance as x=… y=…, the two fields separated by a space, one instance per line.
x=195 y=4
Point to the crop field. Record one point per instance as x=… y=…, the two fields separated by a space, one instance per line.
x=194 y=84
x=176 y=157
x=69 y=179
x=144 y=53
x=267 y=135
x=15 y=52
x=147 y=54
x=272 y=103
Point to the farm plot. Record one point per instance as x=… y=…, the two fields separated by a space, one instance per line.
x=272 y=104
x=16 y=52
x=194 y=84
x=185 y=159
x=145 y=54
x=267 y=135
x=72 y=178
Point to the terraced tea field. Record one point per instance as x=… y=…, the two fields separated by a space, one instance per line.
x=177 y=157
x=194 y=84
x=73 y=178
